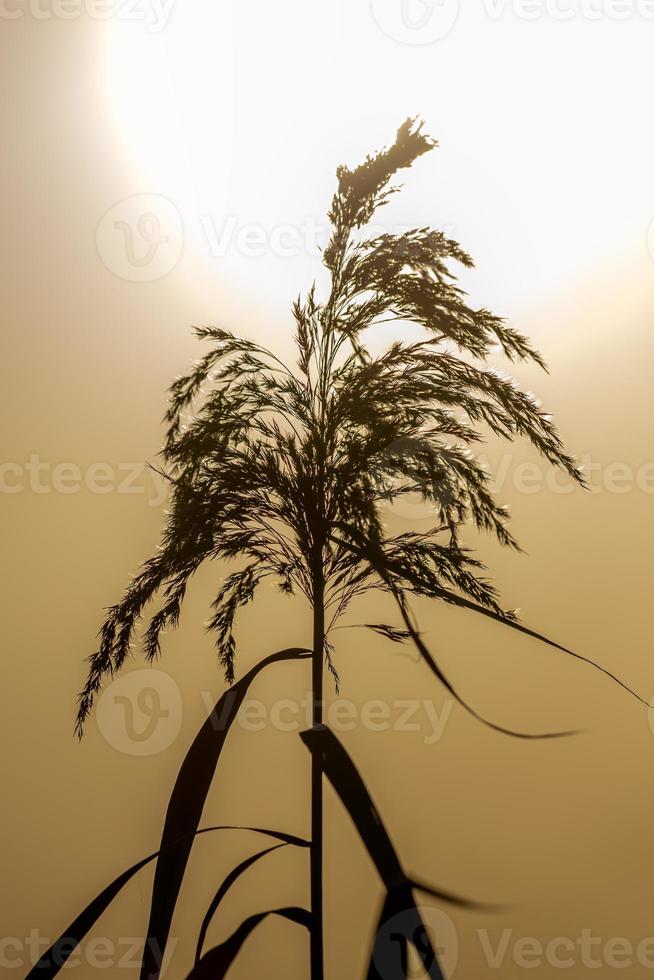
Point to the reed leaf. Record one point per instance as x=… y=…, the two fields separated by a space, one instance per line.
x=55 y=958
x=215 y=964
x=185 y=808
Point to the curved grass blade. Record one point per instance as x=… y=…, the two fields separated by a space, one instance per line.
x=346 y=780
x=433 y=666
x=397 y=927
x=222 y=891
x=391 y=960
x=456 y=600
x=215 y=964
x=185 y=809
x=468 y=604
x=56 y=956
x=389 y=954
x=376 y=562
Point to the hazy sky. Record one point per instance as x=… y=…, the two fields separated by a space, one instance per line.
x=545 y=149
x=169 y=165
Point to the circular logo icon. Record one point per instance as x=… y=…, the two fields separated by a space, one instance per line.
x=140 y=713
x=415 y=21
x=430 y=935
x=141 y=238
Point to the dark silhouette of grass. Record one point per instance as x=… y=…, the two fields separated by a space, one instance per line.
x=285 y=468
x=399 y=904
x=187 y=803
x=215 y=964
x=57 y=955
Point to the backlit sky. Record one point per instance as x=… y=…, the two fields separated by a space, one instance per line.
x=546 y=153
x=222 y=124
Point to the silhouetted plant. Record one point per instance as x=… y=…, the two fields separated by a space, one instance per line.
x=286 y=469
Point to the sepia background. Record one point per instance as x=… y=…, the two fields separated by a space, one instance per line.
x=171 y=164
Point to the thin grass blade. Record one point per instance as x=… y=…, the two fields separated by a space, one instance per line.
x=215 y=964
x=186 y=805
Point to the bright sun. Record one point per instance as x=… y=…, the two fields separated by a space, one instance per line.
x=240 y=113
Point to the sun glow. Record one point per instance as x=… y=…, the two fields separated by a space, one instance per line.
x=239 y=114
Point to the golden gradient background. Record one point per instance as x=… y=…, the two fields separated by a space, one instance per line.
x=545 y=175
